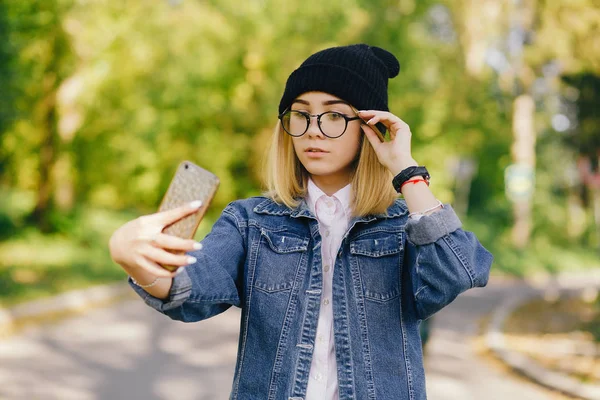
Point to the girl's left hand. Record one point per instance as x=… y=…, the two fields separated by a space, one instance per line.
x=395 y=154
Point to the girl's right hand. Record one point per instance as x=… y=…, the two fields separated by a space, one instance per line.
x=140 y=244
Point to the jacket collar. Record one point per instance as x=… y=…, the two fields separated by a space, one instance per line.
x=270 y=207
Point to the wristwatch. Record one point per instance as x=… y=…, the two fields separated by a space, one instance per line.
x=408 y=173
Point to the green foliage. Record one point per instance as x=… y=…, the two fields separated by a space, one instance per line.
x=587 y=137
x=99 y=102
x=593 y=326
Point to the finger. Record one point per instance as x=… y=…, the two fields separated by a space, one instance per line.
x=394 y=125
x=164 y=257
x=154 y=268
x=170 y=216
x=372 y=117
x=368 y=113
x=374 y=120
x=171 y=242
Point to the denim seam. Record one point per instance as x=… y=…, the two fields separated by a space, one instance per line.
x=371 y=297
x=290 y=311
x=463 y=261
x=378 y=254
x=238 y=225
x=257 y=225
x=271 y=291
x=244 y=323
x=407 y=366
x=301 y=369
x=402 y=327
x=362 y=315
x=303 y=247
x=208 y=301
x=344 y=363
x=375 y=230
x=396 y=293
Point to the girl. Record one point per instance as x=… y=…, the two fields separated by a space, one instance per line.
x=332 y=271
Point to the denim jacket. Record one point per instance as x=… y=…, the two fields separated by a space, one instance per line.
x=390 y=273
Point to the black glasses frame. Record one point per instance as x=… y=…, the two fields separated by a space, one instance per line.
x=310 y=116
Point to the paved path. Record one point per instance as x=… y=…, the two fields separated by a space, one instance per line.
x=132 y=352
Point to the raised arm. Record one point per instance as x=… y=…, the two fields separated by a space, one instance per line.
x=442 y=261
x=140 y=248
x=211 y=280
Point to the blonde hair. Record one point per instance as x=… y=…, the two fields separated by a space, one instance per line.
x=286 y=179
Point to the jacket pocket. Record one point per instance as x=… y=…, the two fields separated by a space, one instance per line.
x=379 y=258
x=279 y=256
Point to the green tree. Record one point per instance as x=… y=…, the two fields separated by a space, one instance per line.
x=43 y=62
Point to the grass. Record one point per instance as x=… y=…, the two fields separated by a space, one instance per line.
x=560 y=335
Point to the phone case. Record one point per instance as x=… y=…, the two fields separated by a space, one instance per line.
x=189 y=183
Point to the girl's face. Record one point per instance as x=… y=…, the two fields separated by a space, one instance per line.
x=332 y=161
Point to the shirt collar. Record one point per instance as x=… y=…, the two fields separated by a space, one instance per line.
x=343 y=195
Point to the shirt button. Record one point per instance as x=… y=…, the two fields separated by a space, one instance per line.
x=326 y=301
x=320 y=338
x=318 y=377
x=326 y=268
x=327 y=233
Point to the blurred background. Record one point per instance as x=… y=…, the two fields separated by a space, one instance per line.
x=100 y=100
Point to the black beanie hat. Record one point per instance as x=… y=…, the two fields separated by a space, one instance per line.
x=357 y=73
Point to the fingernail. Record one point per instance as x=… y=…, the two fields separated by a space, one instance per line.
x=196 y=204
x=197 y=246
x=369 y=121
x=191 y=260
x=179 y=270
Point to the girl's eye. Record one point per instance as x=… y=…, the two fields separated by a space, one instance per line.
x=334 y=116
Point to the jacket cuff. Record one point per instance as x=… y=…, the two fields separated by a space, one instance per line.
x=180 y=291
x=430 y=228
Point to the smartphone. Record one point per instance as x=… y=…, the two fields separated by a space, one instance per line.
x=189 y=183
x=379 y=127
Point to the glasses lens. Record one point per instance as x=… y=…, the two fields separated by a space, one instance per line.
x=333 y=124
x=294 y=123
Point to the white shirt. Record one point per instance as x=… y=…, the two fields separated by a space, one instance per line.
x=333 y=214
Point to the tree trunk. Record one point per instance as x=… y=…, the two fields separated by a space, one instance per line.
x=523 y=151
x=48 y=155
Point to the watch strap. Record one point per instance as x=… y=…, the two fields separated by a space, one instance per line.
x=408 y=173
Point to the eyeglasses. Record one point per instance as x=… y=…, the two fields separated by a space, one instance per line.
x=332 y=124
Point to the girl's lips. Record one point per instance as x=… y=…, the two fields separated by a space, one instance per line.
x=315 y=154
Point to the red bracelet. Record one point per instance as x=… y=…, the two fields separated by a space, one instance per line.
x=414 y=181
